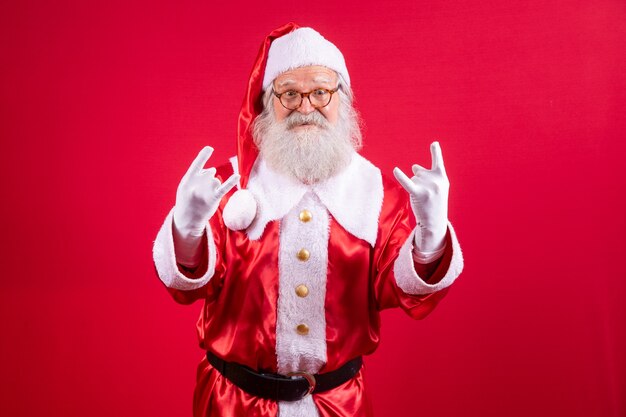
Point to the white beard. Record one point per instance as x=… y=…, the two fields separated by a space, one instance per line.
x=310 y=154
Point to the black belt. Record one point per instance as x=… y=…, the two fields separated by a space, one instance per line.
x=283 y=387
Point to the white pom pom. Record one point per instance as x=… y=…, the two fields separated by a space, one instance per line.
x=240 y=210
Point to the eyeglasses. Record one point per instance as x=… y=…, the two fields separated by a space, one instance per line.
x=292 y=99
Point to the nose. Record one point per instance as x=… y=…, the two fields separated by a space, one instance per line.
x=306 y=107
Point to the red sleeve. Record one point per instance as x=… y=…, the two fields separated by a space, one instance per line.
x=395 y=226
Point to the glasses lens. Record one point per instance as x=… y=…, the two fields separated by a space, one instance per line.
x=291 y=99
x=319 y=97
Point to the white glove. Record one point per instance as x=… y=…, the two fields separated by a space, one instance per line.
x=428 y=190
x=197 y=199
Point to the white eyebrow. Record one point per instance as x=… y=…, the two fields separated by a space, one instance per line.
x=286 y=82
x=321 y=80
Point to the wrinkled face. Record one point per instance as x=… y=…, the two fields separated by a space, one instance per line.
x=309 y=144
x=304 y=80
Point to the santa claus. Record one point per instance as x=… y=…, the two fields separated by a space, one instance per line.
x=297 y=245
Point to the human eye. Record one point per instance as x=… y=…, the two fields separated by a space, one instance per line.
x=320 y=92
x=291 y=94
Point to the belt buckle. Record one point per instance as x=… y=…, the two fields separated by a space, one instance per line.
x=309 y=378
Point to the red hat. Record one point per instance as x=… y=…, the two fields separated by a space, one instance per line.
x=247 y=151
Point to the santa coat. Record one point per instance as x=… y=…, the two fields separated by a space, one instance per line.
x=348 y=240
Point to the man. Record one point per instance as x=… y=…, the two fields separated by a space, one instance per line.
x=295 y=266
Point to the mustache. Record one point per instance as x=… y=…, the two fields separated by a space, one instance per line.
x=314 y=118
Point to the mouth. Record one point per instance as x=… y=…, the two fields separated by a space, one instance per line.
x=306 y=125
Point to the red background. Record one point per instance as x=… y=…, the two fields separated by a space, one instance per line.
x=103 y=106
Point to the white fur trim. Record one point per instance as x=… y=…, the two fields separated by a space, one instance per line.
x=275 y=195
x=297 y=352
x=354 y=197
x=165 y=259
x=300 y=48
x=407 y=278
x=240 y=210
x=303 y=408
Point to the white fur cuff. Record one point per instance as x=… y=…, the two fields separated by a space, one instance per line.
x=165 y=259
x=411 y=283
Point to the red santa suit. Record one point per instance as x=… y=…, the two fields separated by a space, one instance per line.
x=301 y=289
x=356 y=229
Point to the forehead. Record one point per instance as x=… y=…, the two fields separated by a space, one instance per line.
x=314 y=74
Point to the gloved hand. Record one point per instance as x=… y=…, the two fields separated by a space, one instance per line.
x=197 y=199
x=428 y=190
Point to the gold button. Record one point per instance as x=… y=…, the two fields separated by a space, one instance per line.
x=302 y=329
x=305 y=216
x=302 y=290
x=303 y=255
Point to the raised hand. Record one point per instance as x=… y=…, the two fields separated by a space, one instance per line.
x=198 y=196
x=428 y=190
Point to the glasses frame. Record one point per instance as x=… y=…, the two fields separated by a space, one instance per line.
x=307 y=95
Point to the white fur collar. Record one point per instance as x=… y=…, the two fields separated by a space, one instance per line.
x=354 y=197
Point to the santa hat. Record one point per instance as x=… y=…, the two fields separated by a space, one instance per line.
x=300 y=48
x=285 y=48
